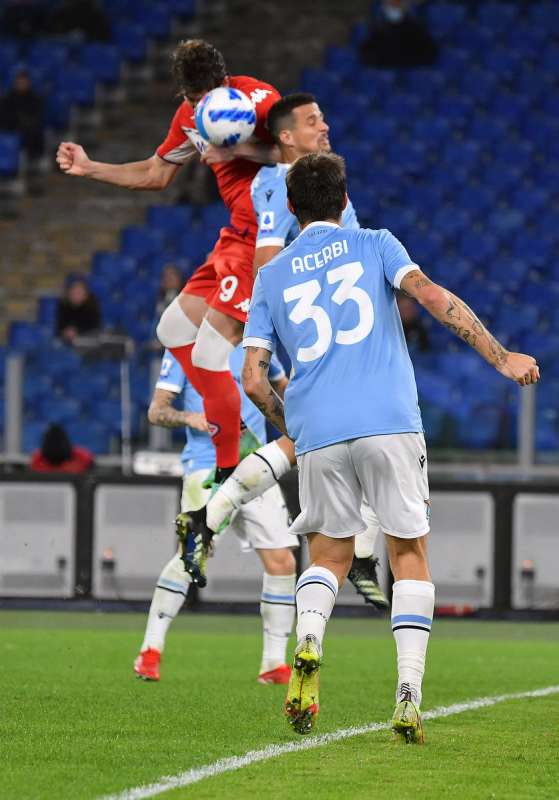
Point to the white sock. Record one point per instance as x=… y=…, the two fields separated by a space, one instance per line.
x=365 y=542
x=413 y=603
x=316 y=593
x=277 y=609
x=168 y=597
x=255 y=474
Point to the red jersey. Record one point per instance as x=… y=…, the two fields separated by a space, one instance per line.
x=80 y=461
x=233 y=177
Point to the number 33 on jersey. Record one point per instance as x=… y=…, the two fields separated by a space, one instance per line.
x=329 y=298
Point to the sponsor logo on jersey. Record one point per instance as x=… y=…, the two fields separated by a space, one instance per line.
x=268 y=221
x=257 y=95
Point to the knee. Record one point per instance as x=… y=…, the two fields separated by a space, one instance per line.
x=211 y=350
x=175 y=329
x=281 y=562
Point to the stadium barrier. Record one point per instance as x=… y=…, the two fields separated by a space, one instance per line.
x=493 y=545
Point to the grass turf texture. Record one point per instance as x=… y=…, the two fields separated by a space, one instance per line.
x=77 y=725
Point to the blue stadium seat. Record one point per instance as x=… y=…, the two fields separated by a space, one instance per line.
x=498 y=16
x=25 y=336
x=59 y=409
x=102 y=60
x=486 y=430
x=114 y=268
x=131 y=40
x=32 y=435
x=10 y=154
x=48 y=57
x=47 y=309
x=140 y=242
x=77 y=84
x=58 y=361
x=155 y=19
x=173 y=220
x=342 y=60
x=91 y=434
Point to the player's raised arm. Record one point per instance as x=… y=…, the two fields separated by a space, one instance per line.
x=454 y=314
x=153 y=173
x=257 y=386
x=161 y=412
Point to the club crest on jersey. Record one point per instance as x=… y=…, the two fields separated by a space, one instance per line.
x=268 y=221
x=269 y=194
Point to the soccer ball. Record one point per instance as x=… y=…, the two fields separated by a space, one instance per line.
x=225 y=117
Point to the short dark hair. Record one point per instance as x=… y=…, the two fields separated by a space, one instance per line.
x=280 y=114
x=197 y=66
x=316 y=187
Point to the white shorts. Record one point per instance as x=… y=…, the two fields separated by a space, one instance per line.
x=262 y=524
x=388 y=471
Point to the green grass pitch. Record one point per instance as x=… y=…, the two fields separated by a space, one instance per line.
x=76 y=725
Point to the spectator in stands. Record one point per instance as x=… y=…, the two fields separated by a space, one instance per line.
x=170 y=285
x=83 y=16
x=415 y=331
x=78 y=310
x=22 y=111
x=398 y=39
x=57 y=454
x=23 y=19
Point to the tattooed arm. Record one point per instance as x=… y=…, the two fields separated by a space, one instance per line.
x=161 y=412
x=454 y=314
x=258 y=387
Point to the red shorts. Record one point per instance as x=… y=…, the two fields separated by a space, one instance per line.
x=225 y=280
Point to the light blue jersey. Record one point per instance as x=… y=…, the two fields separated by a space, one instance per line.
x=199 y=452
x=277 y=226
x=329 y=298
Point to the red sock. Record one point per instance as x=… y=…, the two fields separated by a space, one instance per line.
x=222 y=405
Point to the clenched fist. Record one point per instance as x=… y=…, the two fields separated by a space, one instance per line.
x=520 y=368
x=72 y=159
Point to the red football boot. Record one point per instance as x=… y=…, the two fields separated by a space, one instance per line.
x=146 y=666
x=280 y=674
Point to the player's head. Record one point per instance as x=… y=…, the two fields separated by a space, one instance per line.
x=296 y=123
x=197 y=69
x=316 y=188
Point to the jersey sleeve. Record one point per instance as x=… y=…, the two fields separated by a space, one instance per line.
x=276 y=371
x=259 y=329
x=395 y=259
x=171 y=377
x=275 y=220
x=177 y=147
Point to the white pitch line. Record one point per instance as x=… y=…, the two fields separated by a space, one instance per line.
x=197 y=774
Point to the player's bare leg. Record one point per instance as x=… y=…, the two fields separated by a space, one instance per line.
x=413 y=602
x=256 y=473
x=277 y=609
x=316 y=593
x=202 y=341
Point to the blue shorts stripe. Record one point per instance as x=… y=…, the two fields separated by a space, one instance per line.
x=285 y=598
x=167 y=584
x=412 y=618
x=316 y=579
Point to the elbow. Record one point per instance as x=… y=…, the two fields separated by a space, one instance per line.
x=152 y=414
x=252 y=387
x=432 y=298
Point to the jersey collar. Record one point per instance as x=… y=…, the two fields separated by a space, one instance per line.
x=320 y=224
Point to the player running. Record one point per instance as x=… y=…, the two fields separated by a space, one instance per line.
x=352 y=409
x=261 y=524
x=204 y=324
x=298 y=127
